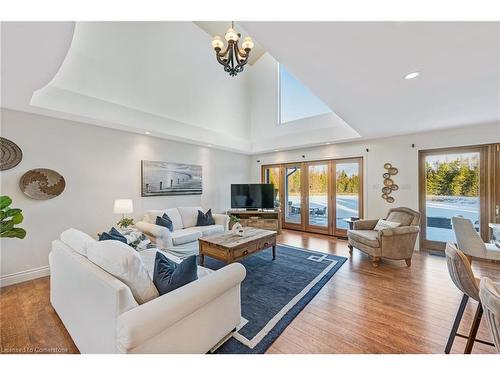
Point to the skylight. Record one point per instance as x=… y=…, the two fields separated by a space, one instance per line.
x=297 y=101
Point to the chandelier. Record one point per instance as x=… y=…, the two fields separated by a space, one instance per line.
x=233 y=58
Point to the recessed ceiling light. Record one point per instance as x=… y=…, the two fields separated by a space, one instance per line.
x=412 y=75
x=327 y=143
x=209 y=145
x=276 y=150
x=147 y=133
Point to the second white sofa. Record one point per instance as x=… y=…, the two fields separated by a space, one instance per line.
x=183 y=240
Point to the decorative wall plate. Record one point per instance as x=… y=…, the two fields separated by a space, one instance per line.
x=388 y=182
x=42 y=183
x=11 y=154
x=389 y=185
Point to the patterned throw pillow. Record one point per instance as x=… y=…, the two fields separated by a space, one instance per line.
x=385 y=224
x=130 y=236
x=138 y=240
x=205 y=219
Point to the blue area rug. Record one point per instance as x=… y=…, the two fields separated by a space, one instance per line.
x=274 y=292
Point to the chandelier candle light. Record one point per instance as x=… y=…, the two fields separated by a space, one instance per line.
x=233 y=58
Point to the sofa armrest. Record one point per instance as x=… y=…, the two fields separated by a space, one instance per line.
x=399 y=231
x=161 y=236
x=222 y=219
x=365 y=224
x=150 y=319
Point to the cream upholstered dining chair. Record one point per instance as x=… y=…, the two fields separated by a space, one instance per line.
x=393 y=243
x=462 y=276
x=470 y=242
x=490 y=300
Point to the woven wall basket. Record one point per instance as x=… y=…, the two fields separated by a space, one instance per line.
x=42 y=183
x=10 y=154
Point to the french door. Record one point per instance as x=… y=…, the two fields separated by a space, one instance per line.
x=292 y=209
x=453 y=182
x=494 y=214
x=348 y=193
x=318 y=196
x=318 y=199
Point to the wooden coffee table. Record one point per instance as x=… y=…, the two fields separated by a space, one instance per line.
x=228 y=247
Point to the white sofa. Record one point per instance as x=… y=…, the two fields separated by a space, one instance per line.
x=183 y=241
x=102 y=316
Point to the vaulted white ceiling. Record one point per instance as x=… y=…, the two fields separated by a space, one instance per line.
x=162 y=77
x=357 y=68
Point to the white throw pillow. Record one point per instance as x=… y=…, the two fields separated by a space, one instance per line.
x=77 y=240
x=123 y=262
x=385 y=224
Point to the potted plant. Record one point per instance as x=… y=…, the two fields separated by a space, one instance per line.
x=233 y=220
x=10 y=217
x=125 y=222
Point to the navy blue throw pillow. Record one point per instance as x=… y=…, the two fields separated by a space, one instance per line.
x=165 y=221
x=169 y=275
x=205 y=219
x=113 y=234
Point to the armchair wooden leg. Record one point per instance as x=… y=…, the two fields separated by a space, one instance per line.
x=375 y=261
x=473 y=330
x=350 y=249
x=408 y=262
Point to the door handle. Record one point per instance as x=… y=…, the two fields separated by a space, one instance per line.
x=497 y=210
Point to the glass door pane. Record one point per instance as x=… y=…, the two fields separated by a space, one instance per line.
x=347 y=192
x=293 y=198
x=451 y=188
x=318 y=195
x=272 y=176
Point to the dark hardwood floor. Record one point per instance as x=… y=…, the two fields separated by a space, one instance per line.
x=389 y=309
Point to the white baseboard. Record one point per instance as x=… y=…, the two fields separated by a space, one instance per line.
x=19 y=277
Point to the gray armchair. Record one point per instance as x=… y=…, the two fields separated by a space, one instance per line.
x=394 y=243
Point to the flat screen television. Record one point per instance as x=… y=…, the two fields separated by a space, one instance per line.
x=252 y=196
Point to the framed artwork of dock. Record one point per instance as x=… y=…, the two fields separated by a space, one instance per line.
x=166 y=178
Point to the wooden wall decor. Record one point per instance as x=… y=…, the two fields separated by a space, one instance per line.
x=10 y=154
x=389 y=185
x=42 y=183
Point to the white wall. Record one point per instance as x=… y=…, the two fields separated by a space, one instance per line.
x=99 y=165
x=395 y=150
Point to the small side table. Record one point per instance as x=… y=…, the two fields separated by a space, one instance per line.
x=350 y=221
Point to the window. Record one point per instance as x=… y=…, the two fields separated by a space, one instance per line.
x=347 y=180
x=452 y=188
x=272 y=176
x=454 y=182
x=296 y=101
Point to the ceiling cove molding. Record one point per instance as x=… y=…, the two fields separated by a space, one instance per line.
x=103 y=113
